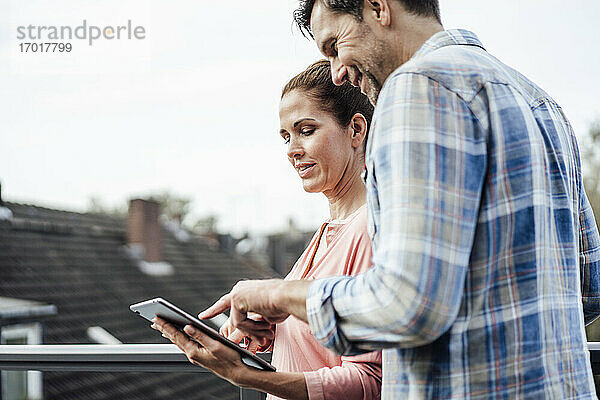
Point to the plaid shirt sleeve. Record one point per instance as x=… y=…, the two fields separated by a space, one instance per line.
x=589 y=261
x=426 y=165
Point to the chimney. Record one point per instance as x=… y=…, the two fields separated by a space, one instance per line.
x=143 y=229
x=1 y=201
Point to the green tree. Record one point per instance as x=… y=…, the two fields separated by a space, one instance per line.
x=591 y=168
x=205 y=225
x=172 y=206
x=97 y=206
x=590 y=150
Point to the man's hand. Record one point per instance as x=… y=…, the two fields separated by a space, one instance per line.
x=273 y=299
x=252 y=344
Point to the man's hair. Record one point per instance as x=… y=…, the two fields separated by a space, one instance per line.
x=342 y=102
x=424 y=8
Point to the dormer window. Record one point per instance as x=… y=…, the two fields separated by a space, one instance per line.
x=18 y=385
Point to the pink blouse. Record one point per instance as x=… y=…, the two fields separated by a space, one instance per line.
x=295 y=349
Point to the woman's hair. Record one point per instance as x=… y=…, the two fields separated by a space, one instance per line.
x=340 y=101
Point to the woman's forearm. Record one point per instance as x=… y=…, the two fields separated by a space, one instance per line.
x=288 y=385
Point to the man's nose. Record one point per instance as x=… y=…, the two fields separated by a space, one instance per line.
x=339 y=72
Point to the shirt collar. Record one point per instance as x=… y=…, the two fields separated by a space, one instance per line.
x=448 y=38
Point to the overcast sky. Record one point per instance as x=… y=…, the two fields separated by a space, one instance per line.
x=192 y=108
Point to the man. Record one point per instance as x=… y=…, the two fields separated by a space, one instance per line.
x=486 y=254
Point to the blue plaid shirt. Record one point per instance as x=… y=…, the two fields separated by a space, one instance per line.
x=485 y=250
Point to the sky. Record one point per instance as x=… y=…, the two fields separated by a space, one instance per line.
x=193 y=107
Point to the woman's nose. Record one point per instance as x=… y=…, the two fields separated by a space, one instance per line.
x=295 y=150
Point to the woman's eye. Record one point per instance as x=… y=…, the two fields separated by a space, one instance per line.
x=307 y=132
x=286 y=139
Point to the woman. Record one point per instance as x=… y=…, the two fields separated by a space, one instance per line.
x=325 y=128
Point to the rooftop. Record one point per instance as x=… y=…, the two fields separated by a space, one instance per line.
x=76 y=265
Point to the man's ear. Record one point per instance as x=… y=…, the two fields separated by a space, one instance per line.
x=358 y=128
x=380 y=11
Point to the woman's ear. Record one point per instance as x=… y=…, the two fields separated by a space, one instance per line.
x=358 y=128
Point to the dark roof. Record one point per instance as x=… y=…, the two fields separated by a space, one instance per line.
x=77 y=262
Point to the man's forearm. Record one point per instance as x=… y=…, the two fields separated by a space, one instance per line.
x=291 y=298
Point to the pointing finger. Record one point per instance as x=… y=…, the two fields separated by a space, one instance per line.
x=223 y=304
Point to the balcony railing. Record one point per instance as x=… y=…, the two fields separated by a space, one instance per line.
x=103 y=358
x=128 y=358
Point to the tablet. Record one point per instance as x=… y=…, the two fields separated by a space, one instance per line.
x=161 y=308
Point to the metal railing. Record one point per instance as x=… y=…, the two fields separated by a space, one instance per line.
x=103 y=358
x=595 y=356
x=130 y=357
